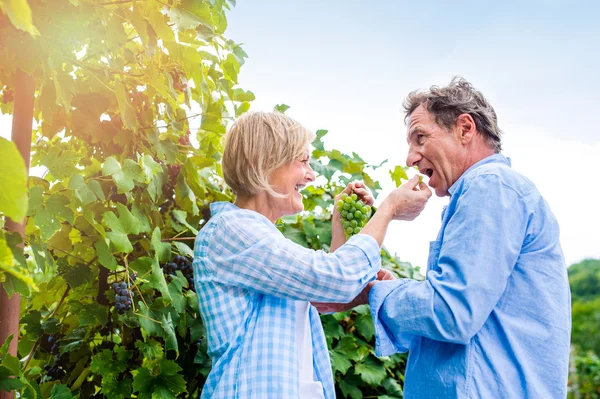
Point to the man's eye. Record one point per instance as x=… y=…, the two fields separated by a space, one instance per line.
x=419 y=138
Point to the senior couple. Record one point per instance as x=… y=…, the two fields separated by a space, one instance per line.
x=492 y=318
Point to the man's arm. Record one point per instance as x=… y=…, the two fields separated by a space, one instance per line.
x=480 y=246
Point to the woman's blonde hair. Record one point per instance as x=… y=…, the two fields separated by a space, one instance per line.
x=256 y=145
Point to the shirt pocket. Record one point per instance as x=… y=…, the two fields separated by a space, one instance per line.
x=434 y=255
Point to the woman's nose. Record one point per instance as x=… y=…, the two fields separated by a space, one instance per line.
x=310 y=174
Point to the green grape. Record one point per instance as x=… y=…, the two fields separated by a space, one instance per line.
x=355 y=214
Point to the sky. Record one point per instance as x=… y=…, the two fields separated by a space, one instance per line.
x=346 y=66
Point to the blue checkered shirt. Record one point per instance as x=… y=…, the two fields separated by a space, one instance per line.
x=248 y=277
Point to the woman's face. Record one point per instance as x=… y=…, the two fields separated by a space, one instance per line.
x=289 y=180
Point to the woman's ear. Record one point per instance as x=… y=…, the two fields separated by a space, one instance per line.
x=467 y=128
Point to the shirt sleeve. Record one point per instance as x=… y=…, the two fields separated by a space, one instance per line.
x=477 y=253
x=248 y=253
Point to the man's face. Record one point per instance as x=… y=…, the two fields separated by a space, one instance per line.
x=437 y=152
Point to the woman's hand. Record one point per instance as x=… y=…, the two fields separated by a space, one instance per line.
x=361 y=299
x=338 y=238
x=359 y=188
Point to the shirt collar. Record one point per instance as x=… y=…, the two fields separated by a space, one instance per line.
x=491 y=159
x=222 y=206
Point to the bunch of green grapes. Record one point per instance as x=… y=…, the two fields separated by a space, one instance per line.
x=354 y=213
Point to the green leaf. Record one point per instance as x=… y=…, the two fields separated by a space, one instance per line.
x=61 y=391
x=13 y=185
x=190 y=13
x=156 y=279
x=169 y=334
x=147 y=320
x=349 y=387
x=124 y=177
x=47 y=222
x=162 y=249
x=162 y=378
x=9 y=265
x=91 y=314
x=105 y=257
x=127 y=111
x=241 y=95
x=19 y=14
x=371 y=371
x=184 y=249
x=393 y=388
x=121 y=227
x=150 y=349
x=104 y=364
x=398 y=174
x=84 y=193
x=281 y=108
x=364 y=325
x=77 y=275
x=180 y=216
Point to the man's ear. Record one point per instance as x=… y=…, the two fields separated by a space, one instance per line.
x=466 y=127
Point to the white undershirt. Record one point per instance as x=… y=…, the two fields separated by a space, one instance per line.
x=310 y=388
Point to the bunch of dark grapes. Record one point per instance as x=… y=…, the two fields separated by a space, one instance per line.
x=123 y=296
x=57 y=370
x=355 y=214
x=49 y=343
x=182 y=264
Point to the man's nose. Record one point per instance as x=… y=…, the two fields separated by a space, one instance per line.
x=413 y=157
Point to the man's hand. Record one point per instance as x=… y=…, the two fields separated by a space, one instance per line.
x=407 y=201
x=361 y=299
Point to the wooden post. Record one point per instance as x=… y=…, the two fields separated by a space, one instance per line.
x=21 y=135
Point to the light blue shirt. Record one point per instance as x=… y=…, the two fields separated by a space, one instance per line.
x=492 y=319
x=248 y=278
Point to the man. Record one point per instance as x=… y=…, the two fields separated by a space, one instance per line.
x=492 y=318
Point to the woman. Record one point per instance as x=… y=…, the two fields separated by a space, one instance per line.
x=255 y=286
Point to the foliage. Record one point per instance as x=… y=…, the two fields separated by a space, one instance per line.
x=584 y=279
x=585 y=321
x=120 y=87
x=584 y=383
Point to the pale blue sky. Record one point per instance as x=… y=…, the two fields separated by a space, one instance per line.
x=346 y=66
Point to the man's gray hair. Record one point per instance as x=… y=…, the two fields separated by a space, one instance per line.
x=459 y=97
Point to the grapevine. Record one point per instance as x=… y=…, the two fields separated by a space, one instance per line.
x=355 y=214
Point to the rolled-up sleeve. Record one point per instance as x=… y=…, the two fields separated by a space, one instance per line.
x=249 y=254
x=477 y=253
